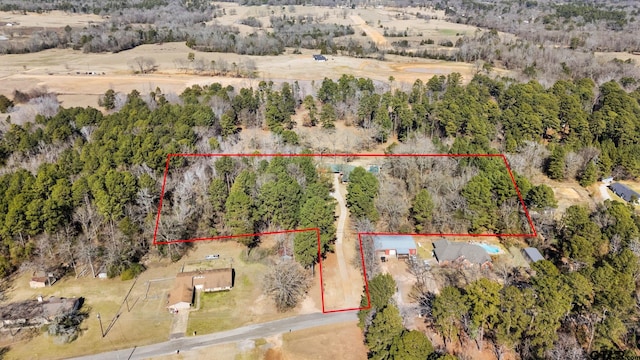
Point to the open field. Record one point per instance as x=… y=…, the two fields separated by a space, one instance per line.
x=568 y=193
x=327 y=342
x=81 y=78
x=58 y=69
x=49 y=19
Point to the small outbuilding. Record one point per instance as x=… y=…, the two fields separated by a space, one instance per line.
x=394 y=245
x=532 y=254
x=607 y=180
x=41 y=279
x=626 y=193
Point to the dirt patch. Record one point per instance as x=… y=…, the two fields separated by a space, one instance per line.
x=399 y=270
x=377 y=38
x=569 y=193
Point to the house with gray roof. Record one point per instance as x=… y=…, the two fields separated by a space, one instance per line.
x=394 y=245
x=625 y=193
x=460 y=253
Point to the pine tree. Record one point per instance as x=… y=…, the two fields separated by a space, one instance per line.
x=448 y=309
x=385 y=327
x=328 y=116
x=411 y=345
x=589 y=175
x=239 y=214
x=422 y=210
x=556 y=164
x=310 y=105
x=541 y=197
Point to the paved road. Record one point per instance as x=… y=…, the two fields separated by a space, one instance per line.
x=244 y=333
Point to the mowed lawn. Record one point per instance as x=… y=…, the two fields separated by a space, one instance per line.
x=243 y=304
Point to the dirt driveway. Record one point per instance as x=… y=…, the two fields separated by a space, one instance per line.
x=374 y=34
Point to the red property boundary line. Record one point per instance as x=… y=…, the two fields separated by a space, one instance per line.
x=502 y=156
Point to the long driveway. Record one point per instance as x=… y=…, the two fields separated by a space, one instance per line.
x=342 y=219
x=243 y=333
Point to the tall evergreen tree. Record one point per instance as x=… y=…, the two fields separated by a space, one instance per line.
x=422 y=210
x=385 y=327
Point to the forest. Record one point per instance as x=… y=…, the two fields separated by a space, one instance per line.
x=80 y=188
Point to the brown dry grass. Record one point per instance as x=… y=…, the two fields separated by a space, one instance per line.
x=57 y=69
x=371 y=32
x=568 y=193
x=50 y=19
x=342 y=341
x=339 y=341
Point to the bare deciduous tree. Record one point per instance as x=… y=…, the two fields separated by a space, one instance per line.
x=46 y=105
x=287 y=283
x=143 y=64
x=371 y=261
x=392 y=203
x=566 y=348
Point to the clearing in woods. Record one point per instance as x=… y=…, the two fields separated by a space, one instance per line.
x=337 y=288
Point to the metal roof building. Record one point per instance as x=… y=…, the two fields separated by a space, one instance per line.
x=533 y=254
x=625 y=192
x=395 y=244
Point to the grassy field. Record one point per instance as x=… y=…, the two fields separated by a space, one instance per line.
x=231 y=309
x=144 y=321
x=343 y=341
x=340 y=341
x=450 y=32
x=63 y=70
x=425 y=248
